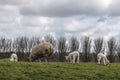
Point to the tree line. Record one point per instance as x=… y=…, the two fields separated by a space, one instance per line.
x=62 y=46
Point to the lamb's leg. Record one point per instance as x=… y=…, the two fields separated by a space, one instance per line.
x=99 y=58
x=104 y=61
x=107 y=61
x=70 y=59
x=74 y=59
x=77 y=59
x=16 y=59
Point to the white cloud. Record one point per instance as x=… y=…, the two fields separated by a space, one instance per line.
x=79 y=25
x=63 y=8
x=14 y=2
x=36 y=21
x=59 y=18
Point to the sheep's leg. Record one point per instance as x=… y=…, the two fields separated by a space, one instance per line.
x=104 y=61
x=77 y=59
x=70 y=59
x=46 y=59
x=39 y=60
x=99 y=58
x=16 y=59
x=73 y=59
x=107 y=61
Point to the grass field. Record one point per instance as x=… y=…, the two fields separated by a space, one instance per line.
x=58 y=71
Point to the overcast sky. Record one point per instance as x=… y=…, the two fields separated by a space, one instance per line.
x=96 y=18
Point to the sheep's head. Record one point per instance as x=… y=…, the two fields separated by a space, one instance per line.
x=66 y=57
x=49 y=51
x=107 y=61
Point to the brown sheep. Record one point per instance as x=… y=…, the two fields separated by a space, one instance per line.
x=41 y=50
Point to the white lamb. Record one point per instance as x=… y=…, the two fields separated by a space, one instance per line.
x=14 y=57
x=73 y=56
x=101 y=56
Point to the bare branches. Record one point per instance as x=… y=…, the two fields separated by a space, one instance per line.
x=98 y=45
x=62 y=48
x=51 y=39
x=33 y=41
x=74 y=44
x=112 y=46
x=5 y=45
x=20 y=44
x=86 y=47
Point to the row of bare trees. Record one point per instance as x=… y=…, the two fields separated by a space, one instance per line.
x=85 y=45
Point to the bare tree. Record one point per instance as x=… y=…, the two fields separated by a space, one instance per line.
x=20 y=44
x=51 y=39
x=62 y=47
x=98 y=45
x=32 y=42
x=118 y=50
x=25 y=44
x=2 y=44
x=8 y=45
x=86 y=47
x=5 y=44
x=112 y=46
x=74 y=44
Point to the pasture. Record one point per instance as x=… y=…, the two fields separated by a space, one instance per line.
x=58 y=71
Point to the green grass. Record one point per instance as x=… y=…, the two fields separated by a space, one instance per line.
x=57 y=71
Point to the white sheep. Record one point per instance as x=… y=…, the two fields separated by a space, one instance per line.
x=73 y=56
x=42 y=50
x=14 y=57
x=101 y=56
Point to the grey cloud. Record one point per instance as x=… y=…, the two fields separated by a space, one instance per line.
x=13 y=2
x=102 y=19
x=114 y=8
x=6 y=20
x=64 y=8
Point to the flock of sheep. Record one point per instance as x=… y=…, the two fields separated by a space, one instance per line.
x=46 y=49
x=102 y=58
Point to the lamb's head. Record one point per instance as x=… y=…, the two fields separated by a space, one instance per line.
x=66 y=57
x=107 y=61
x=11 y=59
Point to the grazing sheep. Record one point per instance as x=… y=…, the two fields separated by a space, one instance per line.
x=101 y=56
x=42 y=50
x=14 y=57
x=73 y=56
